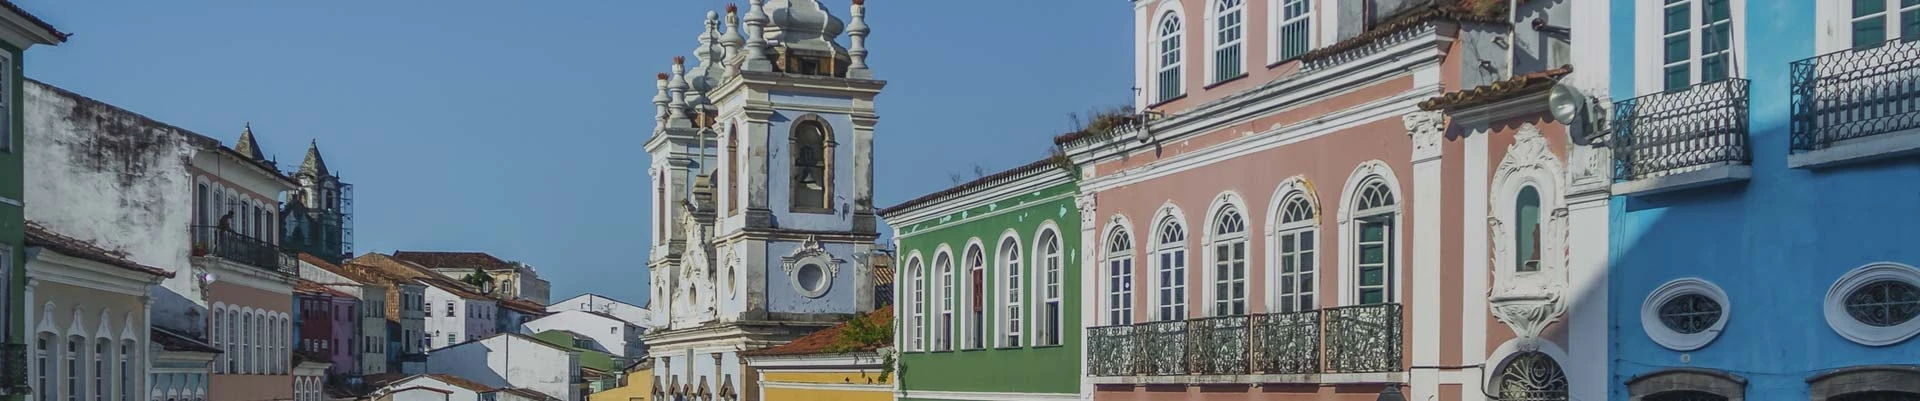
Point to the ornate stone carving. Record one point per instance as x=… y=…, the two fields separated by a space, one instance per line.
x=1427 y=129
x=1086 y=203
x=811 y=252
x=1527 y=301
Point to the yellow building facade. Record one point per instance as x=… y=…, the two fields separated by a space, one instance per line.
x=828 y=365
x=636 y=386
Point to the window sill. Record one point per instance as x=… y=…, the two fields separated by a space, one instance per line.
x=1859 y=150
x=1710 y=176
x=1217 y=84
x=1048 y=346
x=811 y=210
x=1284 y=61
x=1009 y=348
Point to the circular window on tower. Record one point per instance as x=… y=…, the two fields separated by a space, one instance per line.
x=811 y=277
x=1685 y=314
x=1876 y=305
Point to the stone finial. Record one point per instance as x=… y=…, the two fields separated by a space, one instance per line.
x=731 y=40
x=857 y=32
x=756 y=38
x=677 y=89
x=247 y=146
x=660 y=101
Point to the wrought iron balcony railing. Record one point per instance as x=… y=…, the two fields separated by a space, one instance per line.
x=13 y=369
x=242 y=248
x=1682 y=130
x=1353 y=339
x=1855 y=93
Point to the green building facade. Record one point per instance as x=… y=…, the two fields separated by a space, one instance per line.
x=18 y=32
x=988 y=295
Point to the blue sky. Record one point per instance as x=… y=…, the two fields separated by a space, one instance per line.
x=515 y=127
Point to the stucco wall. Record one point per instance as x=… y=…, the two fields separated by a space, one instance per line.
x=783 y=297
x=121 y=180
x=509 y=361
x=613 y=334
x=1023 y=369
x=1774 y=244
x=630 y=312
x=60 y=311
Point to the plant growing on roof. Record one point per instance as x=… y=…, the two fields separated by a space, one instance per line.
x=480 y=279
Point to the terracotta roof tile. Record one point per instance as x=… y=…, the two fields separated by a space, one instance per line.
x=41 y=236
x=460 y=382
x=454 y=260
x=315 y=288
x=34 y=19
x=820 y=341
x=970 y=186
x=1530 y=83
x=524 y=306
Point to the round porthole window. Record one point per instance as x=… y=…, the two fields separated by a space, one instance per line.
x=1876 y=305
x=811 y=277
x=1685 y=314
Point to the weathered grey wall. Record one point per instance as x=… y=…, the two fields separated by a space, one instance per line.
x=119 y=179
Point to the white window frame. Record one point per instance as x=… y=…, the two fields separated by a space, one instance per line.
x=1222 y=303
x=1650 y=48
x=127 y=371
x=975 y=258
x=1835 y=305
x=1169 y=256
x=1218 y=10
x=1277 y=11
x=1304 y=252
x=917 y=327
x=101 y=349
x=1117 y=277
x=1350 y=223
x=46 y=358
x=1049 y=275
x=1657 y=329
x=1834 y=26
x=1012 y=271
x=944 y=299
x=1161 y=68
x=76 y=376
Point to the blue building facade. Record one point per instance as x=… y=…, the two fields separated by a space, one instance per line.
x=1765 y=206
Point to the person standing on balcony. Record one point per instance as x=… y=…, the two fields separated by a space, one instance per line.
x=226 y=221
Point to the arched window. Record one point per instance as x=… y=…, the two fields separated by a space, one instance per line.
x=1171 y=62
x=232 y=356
x=43 y=364
x=127 y=371
x=101 y=348
x=1686 y=384
x=1171 y=271
x=812 y=180
x=1374 y=243
x=1297 y=236
x=1229 y=263
x=1531 y=376
x=918 y=302
x=1296 y=29
x=76 y=368
x=1229 y=38
x=976 y=291
x=1011 y=311
x=1866 y=383
x=1119 y=277
x=731 y=171
x=943 y=324
x=1527 y=239
x=246 y=341
x=219 y=341
x=1047 y=329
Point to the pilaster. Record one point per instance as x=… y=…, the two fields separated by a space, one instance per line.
x=1426 y=129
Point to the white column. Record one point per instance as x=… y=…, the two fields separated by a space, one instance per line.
x=1473 y=322
x=1588 y=242
x=1426 y=130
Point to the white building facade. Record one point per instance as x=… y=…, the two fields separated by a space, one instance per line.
x=619 y=337
x=511 y=360
x=638 y=315
x=454 y=315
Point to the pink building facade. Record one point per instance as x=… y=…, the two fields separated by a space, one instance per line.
x=1332 y=199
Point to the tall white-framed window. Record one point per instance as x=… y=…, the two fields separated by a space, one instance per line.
x=44 y=361
x=1010 y=274
x=1526 y=240
x=76 y=368
x=1229 y=251
x=1119 y=277
x=127 y=371
x=1170 y=76
x=1875 y=22
x=1048 y=316
x=1293 y=36
x=1697 y=41
x=1229 y=39
x=219 y=341
x=232 y=356
x=976 y=322
x=1296 y=234
x=101 y=348
x=1170 y=271
x=246 y=344
x=917 y=326
x=943 y=321
x=1374 y=244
